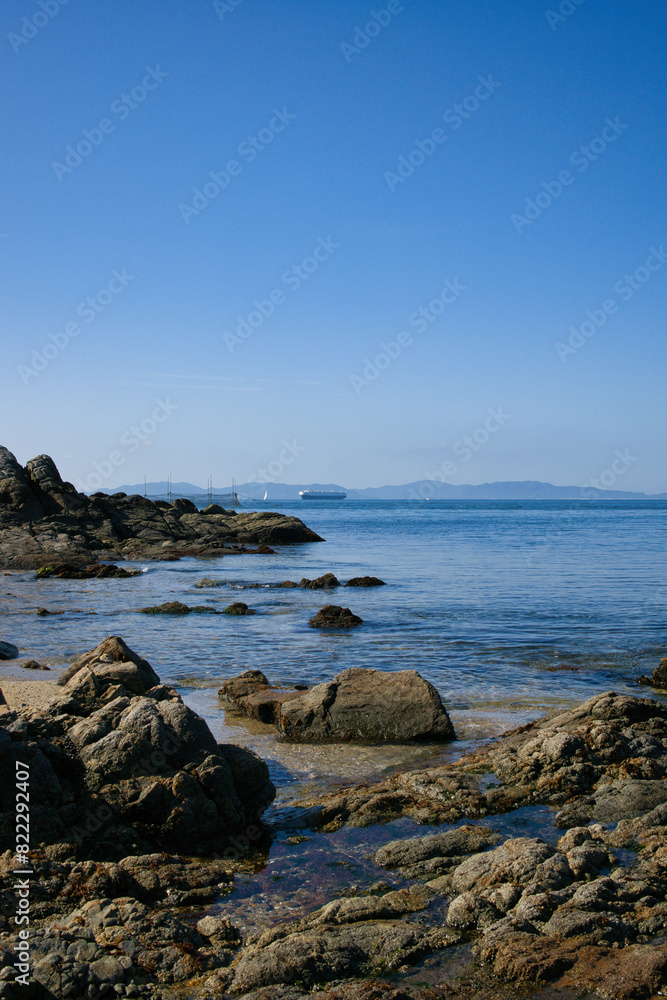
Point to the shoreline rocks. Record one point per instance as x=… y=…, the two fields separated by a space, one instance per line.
x=8 y=651
x=118 y=763
x=44 y=521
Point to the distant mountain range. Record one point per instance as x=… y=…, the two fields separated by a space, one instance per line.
x=423 y=489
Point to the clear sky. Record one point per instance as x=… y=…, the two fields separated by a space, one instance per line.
x=221 y=221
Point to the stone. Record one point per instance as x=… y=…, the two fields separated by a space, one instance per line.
x=177 y=608
x=8 y=651
x=365 y=581
x=368 y=705
x=238 y=608
x=67 y=571
x=333 y=616
x=34 y=665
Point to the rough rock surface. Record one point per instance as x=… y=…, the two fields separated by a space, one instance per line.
x=8 y=651
x=251 y=694
x=320 y=583
x=120 y=764
x=365 y=581
x=65 y=571
x=658 y=678
x=368 y=705
x=43 y=519
x=559 y=761
x=333 y=616
x=238 y=608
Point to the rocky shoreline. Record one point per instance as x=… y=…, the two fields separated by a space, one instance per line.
x=141 y=822
x=43 y=521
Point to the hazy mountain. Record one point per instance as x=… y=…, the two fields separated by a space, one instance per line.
x=421 y=490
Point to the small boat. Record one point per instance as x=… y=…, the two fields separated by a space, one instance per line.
x=266 y=493
x=322 y=494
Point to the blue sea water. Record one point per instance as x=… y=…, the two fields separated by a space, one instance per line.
x=511 y=609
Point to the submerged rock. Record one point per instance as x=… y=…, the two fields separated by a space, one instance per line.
x=238 y=608
x=365 y=581
x=368 y=705
x=34 y=665
x=333 y=616
x=177 y=608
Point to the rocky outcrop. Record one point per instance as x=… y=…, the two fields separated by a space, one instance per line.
x=333 y=616
x=365 y=581
x=43 y=520
x=325 y=582
x=368 y=705
x=121 y=765
x=346 y=937
x=560 y=761
x=65 y=571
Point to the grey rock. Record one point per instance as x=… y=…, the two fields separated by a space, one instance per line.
x=370 y=705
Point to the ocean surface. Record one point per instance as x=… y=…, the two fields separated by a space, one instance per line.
x=511 y=609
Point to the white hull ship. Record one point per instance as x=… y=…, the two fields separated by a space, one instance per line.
x=322 y=494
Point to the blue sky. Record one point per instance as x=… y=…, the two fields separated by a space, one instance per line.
x=120 y=116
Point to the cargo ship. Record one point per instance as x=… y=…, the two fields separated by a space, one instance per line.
x=322 y=494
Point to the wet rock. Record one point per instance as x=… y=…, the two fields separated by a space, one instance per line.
x=177 y=608
x=321 y=583
x=265 y=550
x=433 y=855
x=66 y=571
x=333 y=616
x=8 y=651
x=45 y=522
x=365 y=581
x=251 y=694
x=34 y=665
x=621 y=799
x=368 y=705
x=658 y=678
x=238 y=608
x=43 y=612
x=347 y=937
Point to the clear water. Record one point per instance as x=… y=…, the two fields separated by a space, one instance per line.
x=509 y=609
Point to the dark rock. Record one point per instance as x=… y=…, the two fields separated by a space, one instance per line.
x=8 y=651
x=43 y=612
x=252 y=694
x=45 y=522
x=365 y=581
x=658 y=678
x=238 y=608
x=34 y=665
x=66 y=571
x=333 y=616
x=213 y=508
x=265 y=550
x=287 y=584
x=368 y=705
x=321 y=583
x=177 y=608
x=138 y=770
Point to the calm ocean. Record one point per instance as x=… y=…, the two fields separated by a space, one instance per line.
x=508 y=608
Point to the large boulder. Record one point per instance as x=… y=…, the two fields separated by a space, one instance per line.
x=119 y=763
x=8 y=651
x=251 y=694
x=368 y=705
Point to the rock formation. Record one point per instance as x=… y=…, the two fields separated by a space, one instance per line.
x=44 y=520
